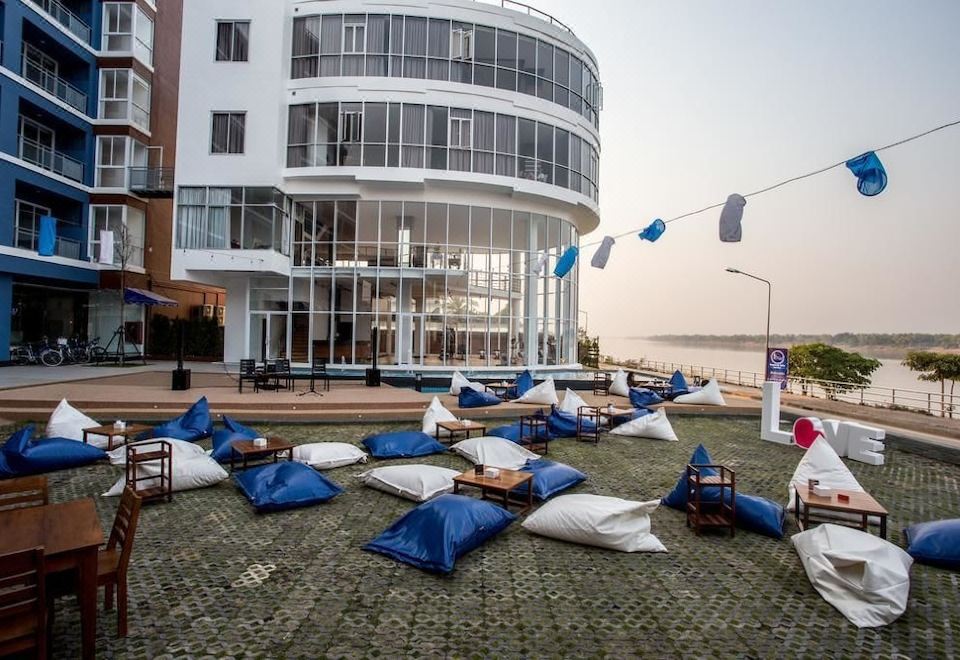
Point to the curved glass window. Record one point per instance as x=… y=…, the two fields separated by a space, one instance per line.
x=440 y=49
x=442 y=284
x=440 y=138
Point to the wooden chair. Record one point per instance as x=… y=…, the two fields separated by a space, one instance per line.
x=281 y=372
x=23 y=603
x=23 y=492
x=113 y=561
x=248 y=372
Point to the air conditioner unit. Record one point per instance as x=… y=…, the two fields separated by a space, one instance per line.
x=221 y=314
x=202 y=311
x=208 y=311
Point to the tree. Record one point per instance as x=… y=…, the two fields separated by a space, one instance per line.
x=846 y=370
x=123 y=252
x=935 y=367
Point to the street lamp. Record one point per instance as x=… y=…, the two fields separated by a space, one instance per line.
x=766 y=352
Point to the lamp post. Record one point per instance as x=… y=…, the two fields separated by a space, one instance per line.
x=766 y=351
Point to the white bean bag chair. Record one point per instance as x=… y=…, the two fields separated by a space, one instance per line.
x=413 y=482
x=68 y=422
x=619 y=385
x=328 y=455
x=436 y=413
x=544 y=394
x=188 y=473
x=571 y=402
x=495 y=452
x=182 y=450
x=605 y=522
x=655 y=426
x=458 y=381
x=821 y=462
x=708 y=395
x=865 y=577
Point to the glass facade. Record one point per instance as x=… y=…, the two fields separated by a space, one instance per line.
x=431 y=283
x=233 y=218
x=441 y=138
x=441 y=49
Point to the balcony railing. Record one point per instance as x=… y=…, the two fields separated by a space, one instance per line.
x=27 y=239
x=48 y=159
x=54 y=85
x=151 y=181
x=65 y=17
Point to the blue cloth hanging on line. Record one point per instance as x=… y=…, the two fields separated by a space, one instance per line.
x=654 y=230
x=47 y=241
x=566 y=261
x=871 y=177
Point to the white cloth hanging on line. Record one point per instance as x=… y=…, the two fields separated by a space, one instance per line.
x=602 y=255
x=730 y=218
x=106 y=246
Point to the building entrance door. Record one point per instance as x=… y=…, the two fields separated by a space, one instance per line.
x=268 y=336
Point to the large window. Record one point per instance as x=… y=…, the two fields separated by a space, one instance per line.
x=116 y=153
x=126 y=223
x=127 y=29
x=445 y=284
x=437 y=137
x=233 y=218
x=27 y=227
x=124 y=95
x=439 y=49
x=227 y=132
x=233 y=41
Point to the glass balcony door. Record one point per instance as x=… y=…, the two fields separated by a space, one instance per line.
x=268 y=336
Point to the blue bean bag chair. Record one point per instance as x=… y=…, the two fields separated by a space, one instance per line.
x=754 y=513
x=550 y=478
x=232 y=430
x=678 y=386
x=473 y=399
x=193 y=425
x=564 y=425
x=641 y=397
x=21 y=456
x=402 y=444
x=936 y=542
x=285 y=485
x=438 y=532
x=523 y=385
x=509 y=432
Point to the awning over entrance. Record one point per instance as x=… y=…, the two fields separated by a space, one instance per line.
x=142 y=297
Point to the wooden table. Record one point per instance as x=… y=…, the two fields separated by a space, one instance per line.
x=246 y=450
x=500 y=488
x=71 y=534
x=859 y=504
x=607 y=413
x=128 y=433
x=455 y=428
x=500 y=389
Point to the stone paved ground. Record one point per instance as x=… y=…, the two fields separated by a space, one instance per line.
x=212 y=578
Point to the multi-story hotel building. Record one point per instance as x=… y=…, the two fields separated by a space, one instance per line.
x=88 y=102
x=409 y=173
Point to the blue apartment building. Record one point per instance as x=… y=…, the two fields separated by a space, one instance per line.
x=75 y=79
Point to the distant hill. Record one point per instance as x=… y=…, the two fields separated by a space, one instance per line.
x=886 y=344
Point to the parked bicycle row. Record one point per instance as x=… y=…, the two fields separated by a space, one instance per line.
x=61 y=351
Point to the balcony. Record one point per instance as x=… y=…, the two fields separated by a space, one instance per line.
x=156 y=182
x=66 y=18
x=46 y=158
x=27 y=239
x=54 y=85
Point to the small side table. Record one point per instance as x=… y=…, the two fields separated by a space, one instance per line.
x=499 y=490
x=128 y=433
x=147 y=481
x=588 y=414
x=246 y=450
x=711 y=513
x=500 y=389
x=534 y=433
x=458 y=427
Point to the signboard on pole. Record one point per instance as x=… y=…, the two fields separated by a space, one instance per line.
x=777 y=366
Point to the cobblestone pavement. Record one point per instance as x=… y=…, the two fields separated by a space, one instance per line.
x=211 y=578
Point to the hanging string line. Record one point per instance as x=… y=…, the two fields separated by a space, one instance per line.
x=783 y=183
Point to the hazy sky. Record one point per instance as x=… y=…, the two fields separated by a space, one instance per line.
x=705 y=98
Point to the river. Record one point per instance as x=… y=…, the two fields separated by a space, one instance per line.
x=891 y=373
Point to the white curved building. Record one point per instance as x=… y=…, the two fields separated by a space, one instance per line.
x=351 y=165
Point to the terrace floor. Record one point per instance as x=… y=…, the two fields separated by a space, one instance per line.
x=210 y=577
